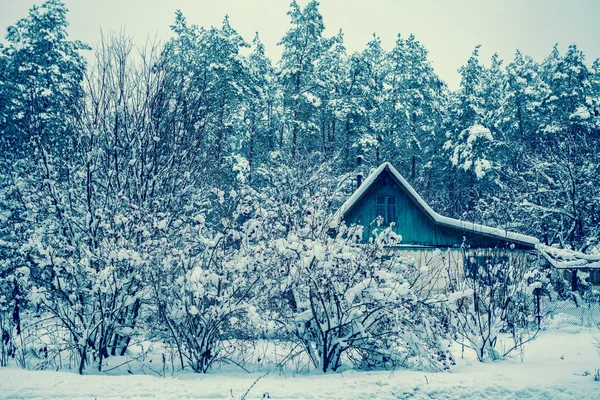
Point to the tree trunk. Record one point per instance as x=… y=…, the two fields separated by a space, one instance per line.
x=251 y=149
x=347 y=145
x=332 y=132
x=574 y=280
x=323 y=130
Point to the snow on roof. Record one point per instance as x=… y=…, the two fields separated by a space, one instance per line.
x=437 y=218
x=563 y=258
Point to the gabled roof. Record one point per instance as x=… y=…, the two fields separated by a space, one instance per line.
x=438 y=219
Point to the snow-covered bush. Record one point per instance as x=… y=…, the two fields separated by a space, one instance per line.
x=341 y=298
x=90 y=296
x=491 y=296
x=13 y=315
x=207 y=277
x=88 y=219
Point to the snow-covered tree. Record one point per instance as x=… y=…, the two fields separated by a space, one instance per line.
x=208 y=87
x=413 y=106
x=372 y=70
x=262 y=108
x=332 y=83
x=42 y=75
x=302 y=47
x=561 y=173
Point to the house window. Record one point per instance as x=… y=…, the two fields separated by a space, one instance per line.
x=386 y=208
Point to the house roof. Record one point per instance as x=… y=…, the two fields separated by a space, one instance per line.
x=569 y=259
x=438 y=219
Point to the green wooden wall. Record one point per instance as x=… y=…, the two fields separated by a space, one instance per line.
x=414 y=225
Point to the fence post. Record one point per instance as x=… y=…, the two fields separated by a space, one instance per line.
x=537 y=307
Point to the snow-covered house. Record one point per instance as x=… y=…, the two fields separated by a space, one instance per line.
x=444 y=245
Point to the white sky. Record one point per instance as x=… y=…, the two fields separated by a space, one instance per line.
x=449 y=30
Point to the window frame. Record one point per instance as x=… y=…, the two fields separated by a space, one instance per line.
x=386 y=207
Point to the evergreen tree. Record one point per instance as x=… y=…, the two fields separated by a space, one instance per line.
x=415 y=107
x=302 y=47
x=42 y=74
x=262 y=106
x=525 y=92
x=4 y=96
x=563 y=169
x=470 y=143
x=331 y=81
x=373 y=72
x=208 y=86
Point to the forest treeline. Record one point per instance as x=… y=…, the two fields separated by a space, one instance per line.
x=152 y=156
x=514 y=146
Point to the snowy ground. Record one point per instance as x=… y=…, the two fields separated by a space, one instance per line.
x=559 y=364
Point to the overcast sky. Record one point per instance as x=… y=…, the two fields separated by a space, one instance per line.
x=449 y=30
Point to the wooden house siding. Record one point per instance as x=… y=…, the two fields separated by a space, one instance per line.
x=439 y=267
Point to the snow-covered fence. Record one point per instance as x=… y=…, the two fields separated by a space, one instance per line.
x=575 y=310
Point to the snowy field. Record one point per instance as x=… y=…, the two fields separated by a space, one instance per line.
x=559 y=364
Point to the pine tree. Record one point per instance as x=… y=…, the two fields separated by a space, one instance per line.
x=564 y=166
x=43 y=75
x=517 y=120
x=209 y=86
x=415 y=107
x=373 y=70
x=261 y=108
x=302 y=47
x=470 y=143
x=4 y=92
x=331 y=81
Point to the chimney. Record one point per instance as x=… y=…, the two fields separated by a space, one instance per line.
x=359 y=175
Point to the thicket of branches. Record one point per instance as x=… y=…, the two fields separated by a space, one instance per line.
x=184 y=192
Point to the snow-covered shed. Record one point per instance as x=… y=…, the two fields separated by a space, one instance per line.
x=573 y=264
x=386 y=199
x=386 y=195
